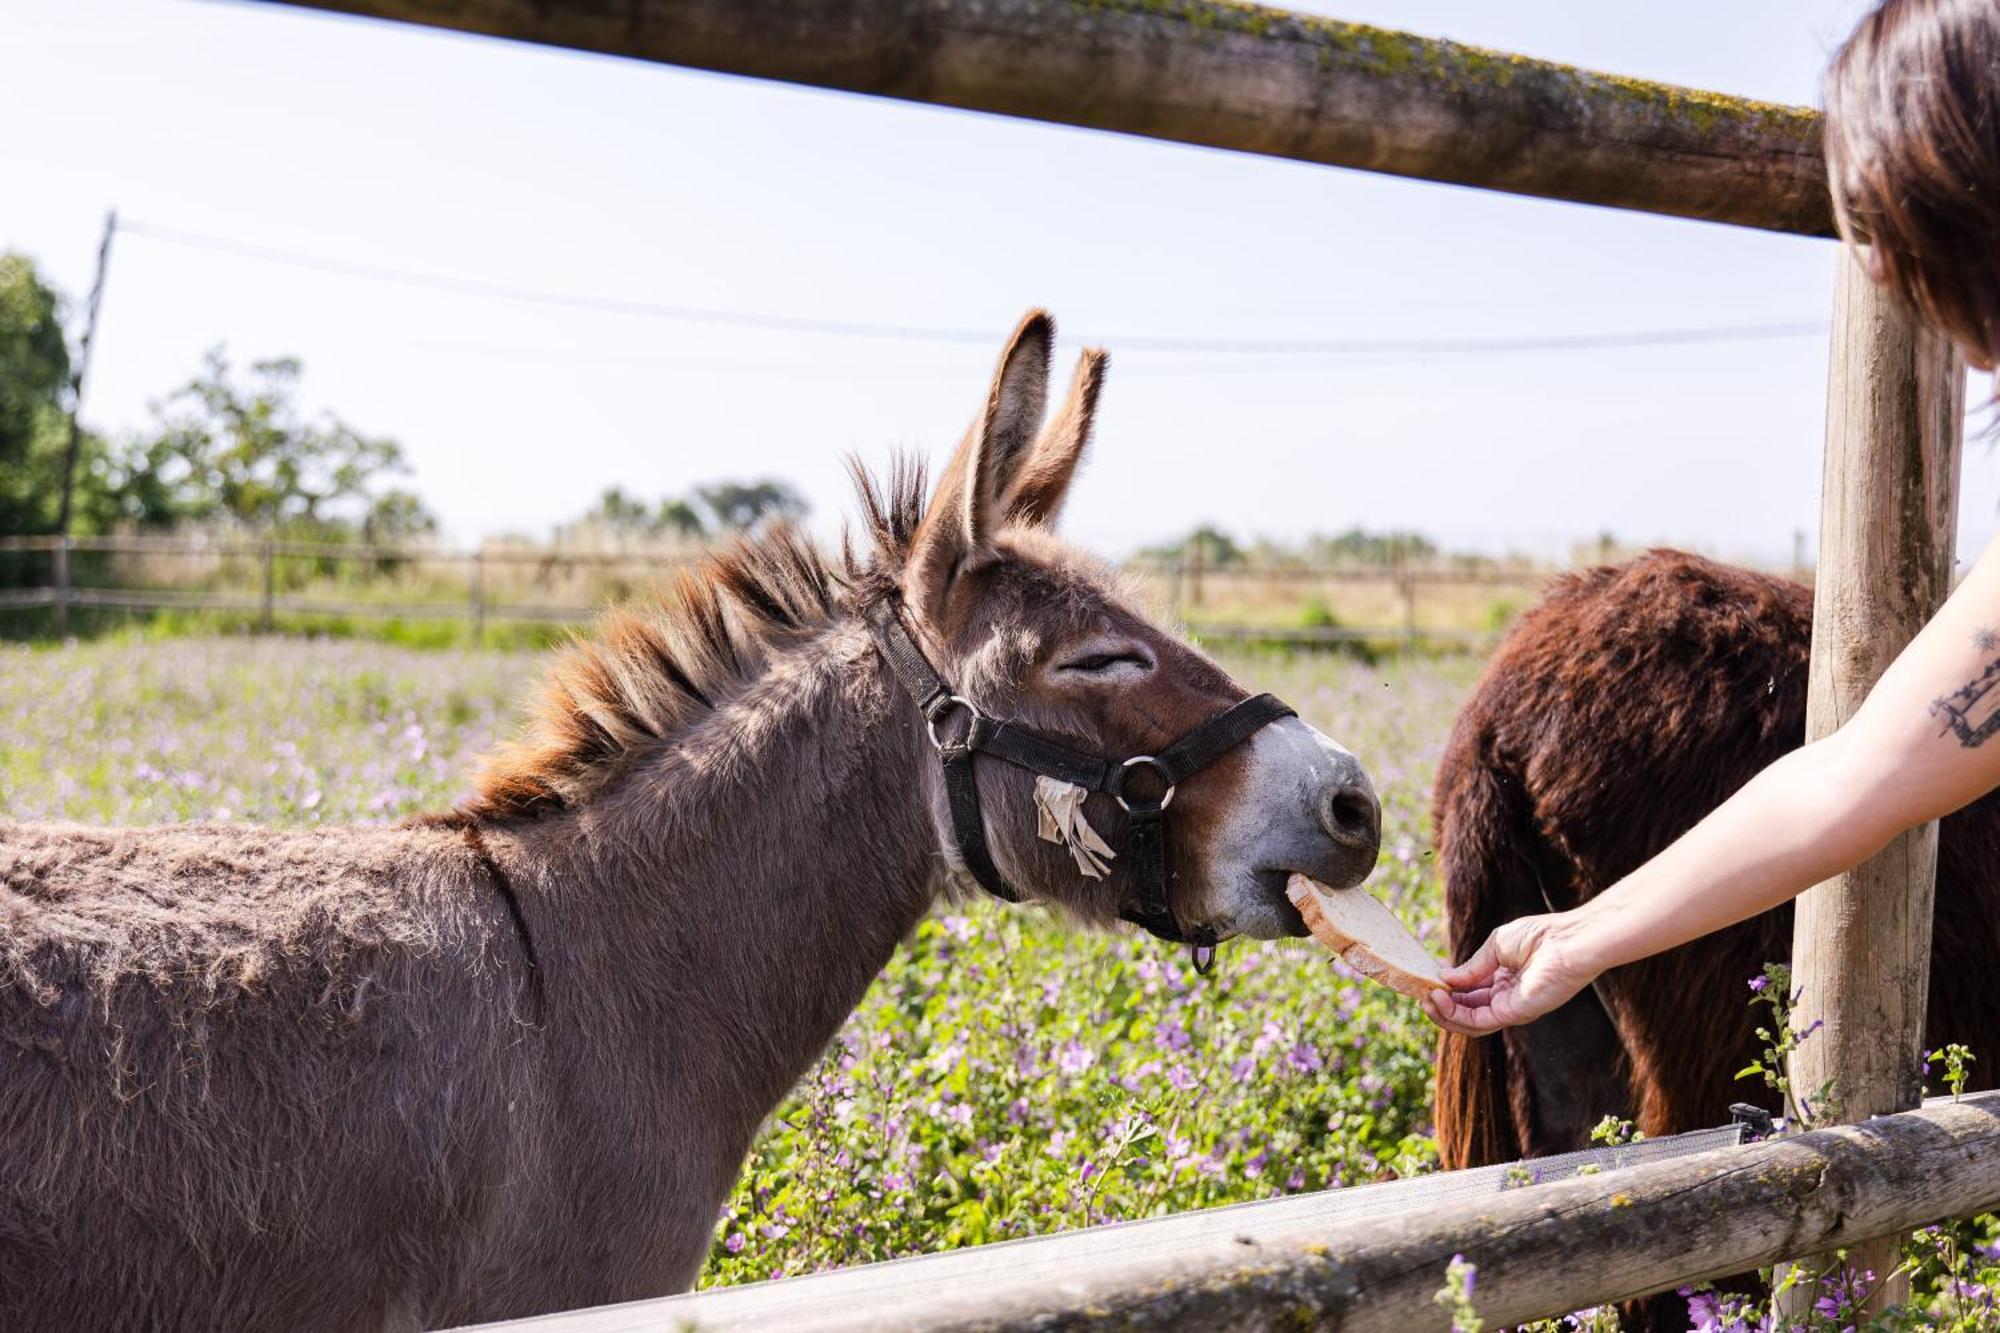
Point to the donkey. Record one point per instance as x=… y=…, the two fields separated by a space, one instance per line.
x=509 y=1060
x=1625 y=706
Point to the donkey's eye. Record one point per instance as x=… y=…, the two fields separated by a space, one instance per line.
x=1098 y=664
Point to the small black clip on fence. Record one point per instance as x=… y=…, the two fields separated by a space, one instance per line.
x=1755 y=1121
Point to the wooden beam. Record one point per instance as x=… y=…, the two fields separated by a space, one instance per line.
x=1235 y=76
x=1542 y=1250
x=1861 y=942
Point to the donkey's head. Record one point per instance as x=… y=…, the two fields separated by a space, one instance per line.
x=1028 y=629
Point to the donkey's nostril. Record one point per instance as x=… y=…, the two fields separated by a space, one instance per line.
x=1352 y=816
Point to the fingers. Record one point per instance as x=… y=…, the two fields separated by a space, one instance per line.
x=1454 y=1015
x=1476 y=970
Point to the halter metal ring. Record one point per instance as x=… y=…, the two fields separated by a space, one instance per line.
x=942 y=709
x=1139 y=761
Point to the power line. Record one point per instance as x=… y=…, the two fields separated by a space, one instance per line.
x=745 y=319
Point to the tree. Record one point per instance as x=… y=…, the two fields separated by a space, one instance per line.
x=740 y=505
x=34 y=385
x=1214 y=546
x=397 y=516
x=620 y=513
x=627 y=516
x=1359 y=546
x=34 y=357
x=678 y=517
x=236 y=450
x=730 y=506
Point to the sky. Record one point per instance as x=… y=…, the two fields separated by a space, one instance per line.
x=393 y=146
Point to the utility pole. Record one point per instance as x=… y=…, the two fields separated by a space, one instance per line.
x=83 y=370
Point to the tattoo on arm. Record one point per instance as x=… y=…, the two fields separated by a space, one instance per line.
x=1972 y=711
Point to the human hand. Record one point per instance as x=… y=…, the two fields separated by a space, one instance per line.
x=1526 y=968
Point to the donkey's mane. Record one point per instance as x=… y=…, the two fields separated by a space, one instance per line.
x=650 y=671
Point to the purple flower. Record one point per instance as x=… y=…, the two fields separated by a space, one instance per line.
x=1704 y=1311
x=1758 y=983
x=1075 y=1058
x=734 y=1244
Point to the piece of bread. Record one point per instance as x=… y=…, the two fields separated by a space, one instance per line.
x=1366 y=935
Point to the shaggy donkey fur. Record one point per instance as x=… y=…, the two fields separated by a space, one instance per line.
x=1625 y=706
x=510 y=1061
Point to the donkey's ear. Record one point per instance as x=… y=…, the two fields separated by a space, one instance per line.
x=969 y=504
x=1044 y=479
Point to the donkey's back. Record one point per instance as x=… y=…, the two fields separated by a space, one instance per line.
x=251 y=1078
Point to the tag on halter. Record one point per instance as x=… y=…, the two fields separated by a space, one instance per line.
x=1059 y=819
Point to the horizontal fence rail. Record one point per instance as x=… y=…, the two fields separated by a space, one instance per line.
x=1372 y=1264
x=1236 y=76
x=1192 y=588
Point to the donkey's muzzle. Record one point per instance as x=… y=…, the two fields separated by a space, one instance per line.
x=1331 y=827
x=1351 y=814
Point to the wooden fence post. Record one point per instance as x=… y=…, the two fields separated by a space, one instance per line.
x=1405 y=593
x=1888 y=525
x=270 y=586
x=478 y=581
x=60 y=553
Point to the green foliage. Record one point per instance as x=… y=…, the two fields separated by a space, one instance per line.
x=1356 y=548
x=723 y=506
x=397 y=516
x=1956 y=1057
x=1359 y=546
x=1954 y=1268
x=1773 y=989
x=1455 y=1297
x=1216 y=548
x=1613 y=1132
x=34 y=357
x=741 y=505
x=1314 y=613
x=225 y=448
x=34 y=388
x=1011 y=1075
x=234 y=448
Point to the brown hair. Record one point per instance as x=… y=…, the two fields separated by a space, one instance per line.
x=1913 y=158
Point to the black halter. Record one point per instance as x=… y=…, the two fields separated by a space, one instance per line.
x=1006 y=740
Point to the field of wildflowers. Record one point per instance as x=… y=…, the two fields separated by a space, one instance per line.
x=1008 y=1074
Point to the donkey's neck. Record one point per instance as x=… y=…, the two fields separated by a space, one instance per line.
x=733 y=896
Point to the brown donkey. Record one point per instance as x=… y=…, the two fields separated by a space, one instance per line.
x=1625 y=706
x=510 y=1060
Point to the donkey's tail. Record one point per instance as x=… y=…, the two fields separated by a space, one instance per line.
x=1483 y=834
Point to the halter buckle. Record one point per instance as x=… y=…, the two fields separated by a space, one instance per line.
x=942 y=709
x=1140 y=761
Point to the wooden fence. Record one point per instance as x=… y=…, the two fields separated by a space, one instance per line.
x=1254 y=79
x=1188 y=587
x=1372 y=1259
